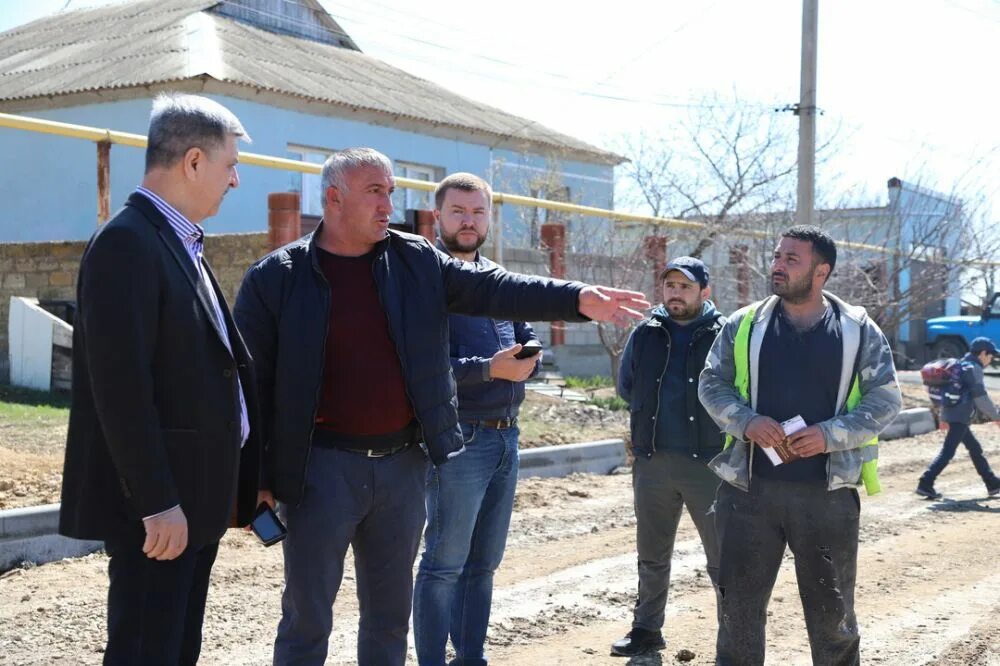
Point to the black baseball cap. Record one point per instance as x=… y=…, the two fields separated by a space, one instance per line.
x=983 y=344
x=693 y=269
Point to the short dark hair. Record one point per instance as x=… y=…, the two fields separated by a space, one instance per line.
x=180 y=122
x=465 y=182
x=823 y=244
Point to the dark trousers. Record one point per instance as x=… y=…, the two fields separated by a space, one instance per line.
x=821 y=529
x=960 y=433
x=375 y=506
x=662 y=486
x=155 y=608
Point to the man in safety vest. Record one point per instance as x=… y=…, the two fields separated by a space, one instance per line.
x=802 y=383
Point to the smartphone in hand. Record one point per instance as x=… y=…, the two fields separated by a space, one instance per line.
x=267 y=526
x=529 y=349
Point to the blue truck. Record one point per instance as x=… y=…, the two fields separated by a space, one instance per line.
x=949 y=337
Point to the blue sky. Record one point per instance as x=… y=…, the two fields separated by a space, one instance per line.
x=910 y=83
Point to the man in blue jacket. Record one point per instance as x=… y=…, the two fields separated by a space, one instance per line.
x=959 y=416
x=470 y=500
x=348 y=328
x=673 y=438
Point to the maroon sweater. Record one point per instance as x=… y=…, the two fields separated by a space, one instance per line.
x=363 y=389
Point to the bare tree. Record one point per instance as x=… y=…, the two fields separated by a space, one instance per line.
x=724 y=163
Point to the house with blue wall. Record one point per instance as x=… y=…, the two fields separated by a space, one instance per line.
x=923 y=277
x=301 y=87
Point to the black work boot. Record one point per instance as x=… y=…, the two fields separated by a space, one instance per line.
x=925 y=489
x=638 y=641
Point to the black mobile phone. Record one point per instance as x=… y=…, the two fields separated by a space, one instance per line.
x=529 y=349
x=267 y=526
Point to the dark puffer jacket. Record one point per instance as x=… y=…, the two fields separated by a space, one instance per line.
x=283 y=308
x=474 y=341
x=643 y=365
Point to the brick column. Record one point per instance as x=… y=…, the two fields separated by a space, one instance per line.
x=655 y=248
x=553 y=237
x=425 y=224
x=284 y=219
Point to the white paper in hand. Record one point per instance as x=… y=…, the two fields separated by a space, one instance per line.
x=774 y=453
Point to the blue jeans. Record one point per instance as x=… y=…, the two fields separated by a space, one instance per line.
x=960 y=433
x=469 y=502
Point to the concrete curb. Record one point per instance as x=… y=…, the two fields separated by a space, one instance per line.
x=598 y=457
x=29 y=535
x=910 y=422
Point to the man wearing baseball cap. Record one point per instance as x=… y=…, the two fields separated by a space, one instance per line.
x=673 y=438
x=974 y=399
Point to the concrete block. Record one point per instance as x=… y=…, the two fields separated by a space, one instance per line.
x=918 y=420
x=14 y=281
x=61 y=279
x=896 y=430
x=29 y=521
x=43 y=549
x=600 y=457
x=910 y=422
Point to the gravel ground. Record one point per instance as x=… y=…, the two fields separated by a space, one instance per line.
x=928 y=587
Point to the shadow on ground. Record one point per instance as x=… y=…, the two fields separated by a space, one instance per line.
x=963 y=506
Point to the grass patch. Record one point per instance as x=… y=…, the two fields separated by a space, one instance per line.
x=612 y=403
x=21 y=404
x=588 y=383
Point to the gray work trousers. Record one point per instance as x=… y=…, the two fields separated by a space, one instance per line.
x=821 y=529
x=376 y=507
x=662 y=486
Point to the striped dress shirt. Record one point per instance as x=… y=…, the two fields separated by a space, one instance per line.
x=193 y=238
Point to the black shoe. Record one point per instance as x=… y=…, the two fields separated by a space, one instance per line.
x=638 y=641
x=994 y=491
x=927 y=490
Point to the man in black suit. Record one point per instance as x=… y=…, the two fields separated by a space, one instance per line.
x=161 y=457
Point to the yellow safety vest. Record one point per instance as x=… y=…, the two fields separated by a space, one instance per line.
x=741 y=354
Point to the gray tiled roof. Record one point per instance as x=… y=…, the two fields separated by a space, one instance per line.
x=151 y=42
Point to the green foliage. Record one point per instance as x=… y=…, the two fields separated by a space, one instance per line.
x=612 y=403
x=588 y=383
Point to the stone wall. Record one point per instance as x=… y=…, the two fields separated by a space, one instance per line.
x=47 y=271
x=230 y=255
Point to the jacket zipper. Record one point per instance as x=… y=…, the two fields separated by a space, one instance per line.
x=319 y=384
x=659 y=386
x=395 y=343
x=751 y=445
x=510 y=400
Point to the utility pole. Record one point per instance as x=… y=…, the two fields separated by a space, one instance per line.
x=804 y=212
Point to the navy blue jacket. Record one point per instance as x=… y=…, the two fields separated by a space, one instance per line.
x=643 y=365
x=283 y=311
x=974 y=397
x=474 y=341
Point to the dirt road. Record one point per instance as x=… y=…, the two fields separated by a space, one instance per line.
x=928 y=589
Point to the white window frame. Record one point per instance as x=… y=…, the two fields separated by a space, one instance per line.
x=415 y=199
x=308 y=185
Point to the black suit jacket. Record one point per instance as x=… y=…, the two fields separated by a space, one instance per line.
x=155 y=416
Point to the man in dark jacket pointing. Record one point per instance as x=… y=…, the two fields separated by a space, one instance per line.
x=349 y=327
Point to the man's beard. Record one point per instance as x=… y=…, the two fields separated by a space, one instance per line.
x=454 y=245
x=793 y=292
x=687 y=314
